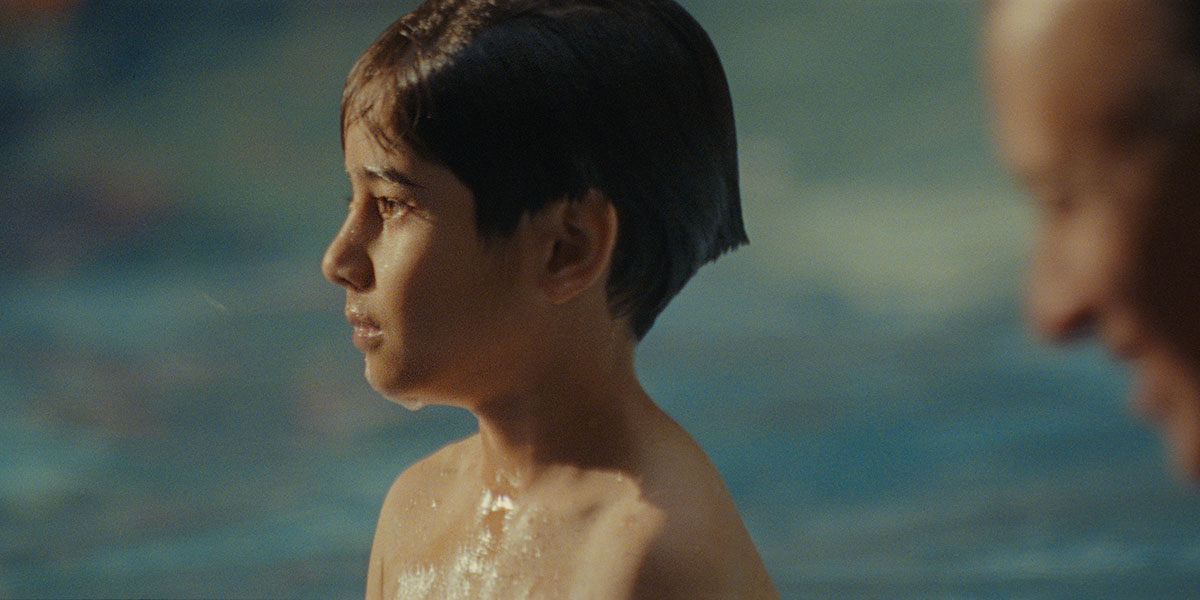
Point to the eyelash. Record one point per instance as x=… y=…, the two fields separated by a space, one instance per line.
x=1058 y=202
x=386 y=206
x=389 y=207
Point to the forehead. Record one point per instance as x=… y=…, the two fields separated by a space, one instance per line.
x=378 y=103
x=364 y=147
x=1058 y=71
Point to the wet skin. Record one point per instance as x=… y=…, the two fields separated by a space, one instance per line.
x=577 y=485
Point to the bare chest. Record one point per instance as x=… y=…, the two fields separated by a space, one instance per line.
x=500 y=550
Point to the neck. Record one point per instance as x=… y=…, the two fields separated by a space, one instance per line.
x=583 y=412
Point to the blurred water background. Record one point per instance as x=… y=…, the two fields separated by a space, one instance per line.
x=184 y=416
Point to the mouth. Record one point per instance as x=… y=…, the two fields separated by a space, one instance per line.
x=367 y=333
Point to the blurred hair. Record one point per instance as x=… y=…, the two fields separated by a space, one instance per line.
x=1187 y=18
x=534 y=101
x=1165 y=105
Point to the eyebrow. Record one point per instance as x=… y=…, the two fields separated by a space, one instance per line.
x=389 y=174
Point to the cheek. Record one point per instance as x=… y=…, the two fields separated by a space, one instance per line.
x=1170 y=251
x=483 y=301
x=1087 y=252
x=412 y=301
x=400 y=276
x=452 y=300
x=1166 y=281
x=1179 y=413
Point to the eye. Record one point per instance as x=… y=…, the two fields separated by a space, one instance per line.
x=1053 y=199
x=1058 y=203
x=390 y=207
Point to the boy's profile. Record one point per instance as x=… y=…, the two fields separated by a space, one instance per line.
x=532 y=182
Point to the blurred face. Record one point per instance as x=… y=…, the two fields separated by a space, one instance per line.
x=436 y=311
x=1117 y=251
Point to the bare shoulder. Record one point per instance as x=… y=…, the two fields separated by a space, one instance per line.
x=415 y=496
x=433 y=475
x=701 y=548
x=415 y=509
x=693 y=559
x=673 y=532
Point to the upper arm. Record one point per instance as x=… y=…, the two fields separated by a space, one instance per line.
x=387 y=529
x=701 y=551
x=676 y=568
x=405 y=517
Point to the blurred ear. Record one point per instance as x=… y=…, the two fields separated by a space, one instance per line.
x=578 y=240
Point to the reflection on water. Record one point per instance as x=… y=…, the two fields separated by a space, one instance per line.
x=185 y=415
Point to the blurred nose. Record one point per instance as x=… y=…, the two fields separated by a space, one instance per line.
x=1057 y=302
x=346 y=261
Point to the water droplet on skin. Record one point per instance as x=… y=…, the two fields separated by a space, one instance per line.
x=412 y=405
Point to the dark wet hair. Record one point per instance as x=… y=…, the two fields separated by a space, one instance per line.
x=533 y=101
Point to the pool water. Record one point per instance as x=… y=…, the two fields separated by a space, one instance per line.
x=185 y=415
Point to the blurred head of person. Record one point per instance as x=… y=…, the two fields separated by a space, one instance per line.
x=1096 y=109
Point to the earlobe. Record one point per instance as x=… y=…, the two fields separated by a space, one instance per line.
x=583 y=234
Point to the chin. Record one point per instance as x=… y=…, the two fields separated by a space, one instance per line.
x=395 y=384
x=1183 y=433
x=408 y=402
x=385 y=371
x=399 y=395
x=1176 y=410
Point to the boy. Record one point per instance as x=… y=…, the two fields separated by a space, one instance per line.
x=532 y=182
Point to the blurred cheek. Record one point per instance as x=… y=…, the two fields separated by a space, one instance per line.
x=1168 y=285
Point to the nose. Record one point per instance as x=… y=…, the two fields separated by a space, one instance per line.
x=347 y=261
x=1057 y=300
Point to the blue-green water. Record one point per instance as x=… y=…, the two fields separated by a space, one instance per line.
x=184 y=415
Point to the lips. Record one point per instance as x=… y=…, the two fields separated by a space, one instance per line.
x=367 y=333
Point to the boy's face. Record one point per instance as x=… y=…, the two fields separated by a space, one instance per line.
x=1118 y=242
x=436 y=310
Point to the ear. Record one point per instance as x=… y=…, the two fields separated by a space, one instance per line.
x=580 y=236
